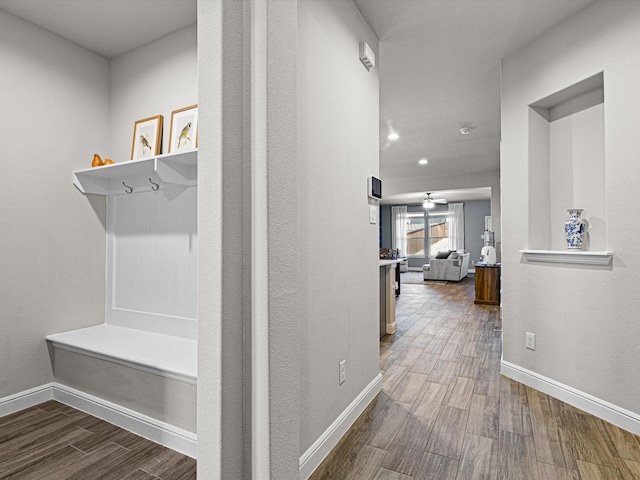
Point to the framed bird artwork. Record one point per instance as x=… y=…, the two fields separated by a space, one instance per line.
x=184 y=129
x=147 y=138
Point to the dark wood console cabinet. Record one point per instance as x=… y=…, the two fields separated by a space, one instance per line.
x=488 y=284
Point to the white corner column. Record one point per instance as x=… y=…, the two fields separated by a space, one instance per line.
x=248 y=341
x=222 y=242
x=281 y=147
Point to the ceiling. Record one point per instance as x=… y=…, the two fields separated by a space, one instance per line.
x=439 y=65
x=106 y=27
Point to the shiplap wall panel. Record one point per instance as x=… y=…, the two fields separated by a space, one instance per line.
x=153 y=252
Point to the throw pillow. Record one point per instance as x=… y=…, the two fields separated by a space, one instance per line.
x=453 y=256
x=443 y=255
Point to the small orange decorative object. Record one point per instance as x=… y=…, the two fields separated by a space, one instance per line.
x=108 y=161
x=97 y=161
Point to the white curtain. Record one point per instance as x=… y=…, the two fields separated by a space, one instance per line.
x=399 y=229
x=456 y=226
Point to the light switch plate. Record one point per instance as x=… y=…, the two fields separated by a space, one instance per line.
x=373 y=214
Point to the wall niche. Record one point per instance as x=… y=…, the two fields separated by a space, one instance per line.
x=567 y=165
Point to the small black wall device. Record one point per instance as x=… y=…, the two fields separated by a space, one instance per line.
x=374 y=187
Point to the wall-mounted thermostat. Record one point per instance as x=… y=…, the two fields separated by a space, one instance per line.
x=374 y=188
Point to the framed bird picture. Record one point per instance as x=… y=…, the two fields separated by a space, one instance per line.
x=147 y=138
x=184 y=129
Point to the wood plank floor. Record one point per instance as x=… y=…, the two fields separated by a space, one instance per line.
x=56 y=442
x=446 y=412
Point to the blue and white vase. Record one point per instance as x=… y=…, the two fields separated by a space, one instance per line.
x=574 y=229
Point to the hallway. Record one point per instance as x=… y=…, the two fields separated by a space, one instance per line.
x=445 y=411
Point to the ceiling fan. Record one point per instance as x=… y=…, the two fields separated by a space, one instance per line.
x=429 y=202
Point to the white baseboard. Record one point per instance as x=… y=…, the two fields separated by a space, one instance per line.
x=26 y=399
x=595 y=406
x=317 y=452
x=157 y=431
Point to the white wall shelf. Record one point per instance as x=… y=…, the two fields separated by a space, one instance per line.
x=174 y=168
x=566 y=256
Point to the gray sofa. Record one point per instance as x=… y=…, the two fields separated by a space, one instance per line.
x=453 y=268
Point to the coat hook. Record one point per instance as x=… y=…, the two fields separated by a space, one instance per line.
x=155 y=185
x=127 y=189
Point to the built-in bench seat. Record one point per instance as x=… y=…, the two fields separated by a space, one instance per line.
x=143 y=381
x=164 y=355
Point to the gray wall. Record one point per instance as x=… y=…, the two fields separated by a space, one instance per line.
x=55 y=113
x=385 y=226
x=474 y=213
x=143 y=84
x=582 y=315
x=338 y=150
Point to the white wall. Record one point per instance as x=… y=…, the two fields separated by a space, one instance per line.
x=337 y=247
x=154 y=79
x=583 y=317
x=577 y=175
x=55 y=115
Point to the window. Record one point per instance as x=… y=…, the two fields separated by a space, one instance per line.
x=415 y=234
x=438 y=232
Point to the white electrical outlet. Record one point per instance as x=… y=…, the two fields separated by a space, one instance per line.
x=343 y=371
x=530 y=341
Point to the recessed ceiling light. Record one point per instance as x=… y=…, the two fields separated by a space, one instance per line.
x=393 y=136
x=465 y=130
x=423 y=161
